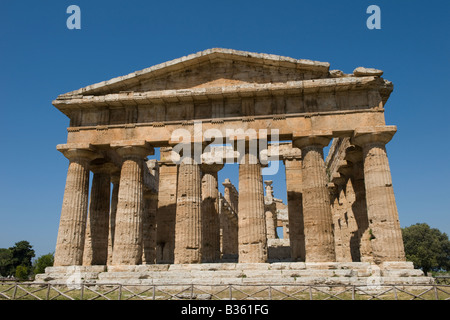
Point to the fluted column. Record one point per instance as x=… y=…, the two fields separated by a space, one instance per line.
x=188 y=221
x=115 y=178
x=167 y=207
x=97 y=230
x=149 y=228
x=251 y=216
x=270 y=209
x=210 y=213
x=359 y=206
x=293 y=167
x=231 y=195
x=318 y=223
x=72 y=225
x=384 y=225
x=128 y=231
x=228 y=221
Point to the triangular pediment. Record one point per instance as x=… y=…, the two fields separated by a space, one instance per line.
x=211 y=68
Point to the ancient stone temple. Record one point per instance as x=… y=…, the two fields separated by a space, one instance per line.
x=150 y=217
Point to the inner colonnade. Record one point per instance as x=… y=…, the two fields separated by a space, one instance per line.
x=170 y=211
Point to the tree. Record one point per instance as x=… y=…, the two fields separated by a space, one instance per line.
x=22 y=272
x=426 y=247
x=6 y=264
x=42 y=262
x=22 y=254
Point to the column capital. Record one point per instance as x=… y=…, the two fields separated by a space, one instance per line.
x=353 y=154
x=211 y=168
x=227 y=183
x=115 y=178
x=78 y=151
x=133 y=148
x=188 y=152
x=291 y=157
x=212 y=158
x=378 y=134
x=107 y=168
x=302 y=140
x=345 y=168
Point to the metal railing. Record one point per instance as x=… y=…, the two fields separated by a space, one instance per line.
x=87 y=291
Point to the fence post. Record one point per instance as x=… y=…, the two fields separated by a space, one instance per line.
x=120 y=291
x=47 y=296
x=15 y=291
x=270 y=292
x=353 y=292
x=435 y=291
x=82 y=291
x=231 y=292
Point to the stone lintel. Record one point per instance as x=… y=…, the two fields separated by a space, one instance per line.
x=304 y=87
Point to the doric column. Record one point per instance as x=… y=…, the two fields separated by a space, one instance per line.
x=230 y=194
x=167 y=207
x=318 y=223
x=149 y=228
x=228 y=222
x=72 y=225
x=270 y=211
x=210 y=213
x=128 y=231
x=115 y=179
x=384 y=225
x=359 y=207
x=188 y=225
x=293 y=167
x=97 y=230
x=251 y=215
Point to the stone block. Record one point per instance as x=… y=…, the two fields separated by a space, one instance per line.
x=321 y=265
x=397 y=265
x=402 y=273
x=122 y=268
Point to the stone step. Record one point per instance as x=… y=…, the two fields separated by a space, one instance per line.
x=356 y=273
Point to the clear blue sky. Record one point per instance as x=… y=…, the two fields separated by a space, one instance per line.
x=40 y=58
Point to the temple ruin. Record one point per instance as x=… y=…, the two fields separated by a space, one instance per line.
x=142 y=217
